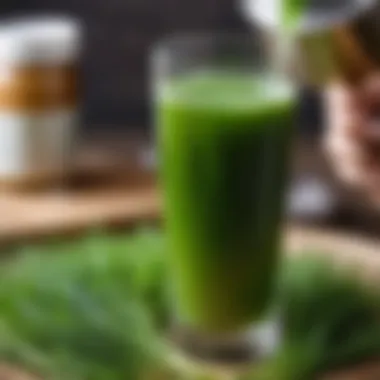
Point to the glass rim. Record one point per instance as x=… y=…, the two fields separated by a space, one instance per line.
x=197 y=39
x=254 y=49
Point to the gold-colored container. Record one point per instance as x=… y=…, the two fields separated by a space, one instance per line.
x=343 y=44
x=334 y=38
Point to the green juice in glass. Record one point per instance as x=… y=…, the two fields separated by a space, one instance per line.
x=224 y=141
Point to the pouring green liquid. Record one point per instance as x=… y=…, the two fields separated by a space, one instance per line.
x=224 y=140
x=292 y=11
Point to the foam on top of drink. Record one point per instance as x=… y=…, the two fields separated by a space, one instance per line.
x=226 y=89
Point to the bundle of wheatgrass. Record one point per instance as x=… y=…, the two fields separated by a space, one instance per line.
x=96 y=309
x=88 y=310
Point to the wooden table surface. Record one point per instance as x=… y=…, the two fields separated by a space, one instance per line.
x=109 y=183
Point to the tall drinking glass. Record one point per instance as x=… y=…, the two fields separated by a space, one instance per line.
x=224 y=120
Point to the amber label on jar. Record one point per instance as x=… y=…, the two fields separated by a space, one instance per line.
x=38 y=88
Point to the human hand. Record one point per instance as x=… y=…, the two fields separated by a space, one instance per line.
x=352 y=138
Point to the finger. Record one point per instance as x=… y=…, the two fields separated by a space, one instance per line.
x=356 y=167
x=351 y=141
x=349 y=174
x=344 y=148
x=351 y=158
x=347 y=158
x=359 y=175
x=344 y=140
x=344 y=112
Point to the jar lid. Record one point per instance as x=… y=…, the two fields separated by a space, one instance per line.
x=40 y=40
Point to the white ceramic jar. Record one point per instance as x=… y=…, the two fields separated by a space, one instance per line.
x=39 y=62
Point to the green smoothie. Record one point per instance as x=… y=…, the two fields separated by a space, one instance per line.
x=292 y=12
x=224 y=142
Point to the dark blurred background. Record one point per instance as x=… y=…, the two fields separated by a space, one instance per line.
x=118 y=36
